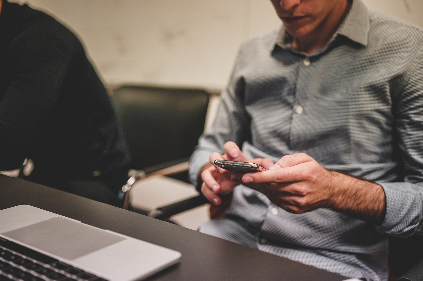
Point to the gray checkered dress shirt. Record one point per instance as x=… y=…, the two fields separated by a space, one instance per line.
x=355 y=106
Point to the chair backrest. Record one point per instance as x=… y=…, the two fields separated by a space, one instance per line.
x=404 y=253
x=160 y=124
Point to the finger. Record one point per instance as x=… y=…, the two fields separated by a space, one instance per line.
x=279 y=187
x=216 y=156
x=213 y=198
x=294 y=204
x=293 y=209
x=283 y=175
x=277 y=191
x=258 y=187
x=266 y=162
x=232 y=150
x=210 y=181
x=269 y=190
x=292 y=160
x=288 y=189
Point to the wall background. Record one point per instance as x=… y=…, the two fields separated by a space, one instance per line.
x=176 y=42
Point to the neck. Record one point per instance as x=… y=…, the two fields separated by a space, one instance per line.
x=324 y=32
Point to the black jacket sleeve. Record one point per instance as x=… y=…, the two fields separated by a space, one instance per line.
x=36 y=61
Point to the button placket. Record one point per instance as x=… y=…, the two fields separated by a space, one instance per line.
x=300 y=102
x=306 y=62
x=299 y=109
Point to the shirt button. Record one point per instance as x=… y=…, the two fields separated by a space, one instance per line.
x=299 y=109
x=274 y=211
x=263 y=241
x=306 y=62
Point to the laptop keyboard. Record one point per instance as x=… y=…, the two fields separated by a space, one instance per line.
x=21 y=263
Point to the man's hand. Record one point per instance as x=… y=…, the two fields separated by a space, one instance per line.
x=298 y=184
x=218 y=181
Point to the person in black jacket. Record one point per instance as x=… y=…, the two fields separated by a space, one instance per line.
x=55 y=110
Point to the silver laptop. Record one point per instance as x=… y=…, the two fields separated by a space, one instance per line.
x=40 y=243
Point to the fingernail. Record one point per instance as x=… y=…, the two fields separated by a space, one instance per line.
x=248 y=179
x=215 y=201
x=234 y=152
x=214 y=188
x=276 y=166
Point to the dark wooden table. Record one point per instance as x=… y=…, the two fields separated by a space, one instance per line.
x=203 y=257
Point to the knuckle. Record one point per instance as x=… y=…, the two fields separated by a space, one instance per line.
x=309 y=176
x=293 y=210
x=281 y=178
x=300 y=202
x=302 y=191
x=205 y=190
x=287 y=158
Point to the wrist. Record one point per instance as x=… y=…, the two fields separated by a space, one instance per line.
x=358 y=198
x=338 y=190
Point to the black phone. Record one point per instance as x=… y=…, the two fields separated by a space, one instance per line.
x=239 y=167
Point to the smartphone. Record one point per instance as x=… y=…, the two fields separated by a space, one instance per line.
x=239 y=167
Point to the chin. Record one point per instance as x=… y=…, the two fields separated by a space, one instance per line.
x=296 y=34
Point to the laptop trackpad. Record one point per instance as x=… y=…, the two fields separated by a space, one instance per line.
x=63 y=238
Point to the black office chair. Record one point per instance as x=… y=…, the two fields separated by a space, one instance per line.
x=406 y=258
x=162 y=126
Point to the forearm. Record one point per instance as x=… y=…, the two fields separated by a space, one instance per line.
x=358 y=198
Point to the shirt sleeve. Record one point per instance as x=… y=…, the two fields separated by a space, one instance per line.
x=230 y=124
x=37 y=60
x=404 y=200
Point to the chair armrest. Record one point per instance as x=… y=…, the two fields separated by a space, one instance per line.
x=413 y=274
x=164 y=169
x=165 y=212
x=168 y=168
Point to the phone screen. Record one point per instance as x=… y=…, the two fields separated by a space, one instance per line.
x=239 y=167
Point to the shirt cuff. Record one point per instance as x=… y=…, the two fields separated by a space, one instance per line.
x=403 y=208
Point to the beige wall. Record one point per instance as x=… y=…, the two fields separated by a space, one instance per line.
x=176 y=42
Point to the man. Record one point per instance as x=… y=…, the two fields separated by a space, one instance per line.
x=54 y=109
x=335 y=98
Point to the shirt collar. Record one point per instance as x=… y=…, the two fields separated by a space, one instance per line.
x=356 y=27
